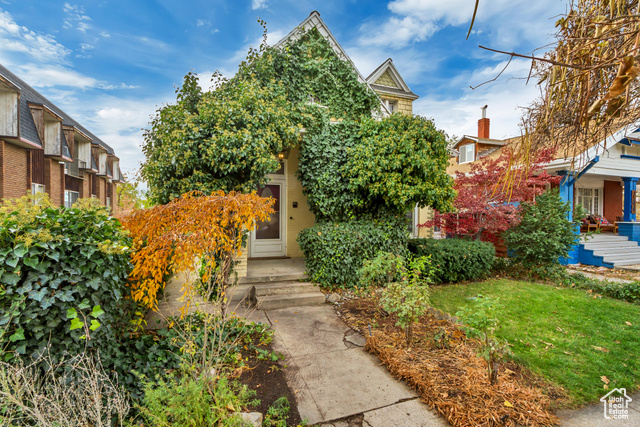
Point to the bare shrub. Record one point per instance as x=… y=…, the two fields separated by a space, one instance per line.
x=74 y=392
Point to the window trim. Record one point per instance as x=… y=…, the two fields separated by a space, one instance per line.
x=600 y=198
x=67 y=200
x=464 y=149
x=37 y=188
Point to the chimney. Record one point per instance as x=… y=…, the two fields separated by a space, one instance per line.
x=483 y=124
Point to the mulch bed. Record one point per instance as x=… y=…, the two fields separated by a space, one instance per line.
x=449 y=374
x=268 y=380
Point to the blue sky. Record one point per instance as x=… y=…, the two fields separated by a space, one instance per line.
x=111 y=64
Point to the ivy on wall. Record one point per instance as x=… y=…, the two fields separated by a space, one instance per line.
x=351 y=165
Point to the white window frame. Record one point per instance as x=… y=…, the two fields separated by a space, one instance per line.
x=415 y=214
x=467 y=155
x=391 y=105
x=37 y=188
x=67 y=198
x=598 y=198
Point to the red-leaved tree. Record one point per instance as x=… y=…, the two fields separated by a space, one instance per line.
x=488 y=195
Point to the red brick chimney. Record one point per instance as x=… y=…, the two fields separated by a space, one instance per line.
x=483 y=124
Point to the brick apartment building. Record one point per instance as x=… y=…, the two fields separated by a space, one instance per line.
x=42 y=149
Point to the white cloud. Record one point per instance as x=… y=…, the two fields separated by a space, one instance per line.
x=203 y=23
x=258 y=4
x=417 y=20
x=18 y=39
x=460 y=115
x=76 y=18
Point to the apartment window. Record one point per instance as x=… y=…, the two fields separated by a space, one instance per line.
x=109 y=203
x=589 y=199
x=70 y=197
x=37 y=188
x=467 y=153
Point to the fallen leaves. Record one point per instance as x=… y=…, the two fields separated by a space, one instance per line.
x=602 y=349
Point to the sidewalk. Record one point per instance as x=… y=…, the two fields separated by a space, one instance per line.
x=336 y=382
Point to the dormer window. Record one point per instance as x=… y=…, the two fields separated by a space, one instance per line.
x=467 y=153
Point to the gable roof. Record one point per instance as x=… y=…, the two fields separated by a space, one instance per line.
x=314 y=21
x=487 y=141
x=385 y=71
x=29 y=95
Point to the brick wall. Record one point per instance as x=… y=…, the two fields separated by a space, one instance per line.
x=14 y=172
x=612 y=200
x=54 y=181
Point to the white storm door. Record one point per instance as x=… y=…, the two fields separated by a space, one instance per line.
x=268 y=239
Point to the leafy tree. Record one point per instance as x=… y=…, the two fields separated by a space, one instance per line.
x=485 y=205
x=227 y=139
x=544 y=233
x=400 y=163
x=168 y=238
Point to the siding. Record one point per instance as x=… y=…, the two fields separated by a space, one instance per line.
x=386 y=80
x=405 y=106
x=297 y=219
x=37 y=166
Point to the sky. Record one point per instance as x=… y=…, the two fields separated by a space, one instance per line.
x=111 y=64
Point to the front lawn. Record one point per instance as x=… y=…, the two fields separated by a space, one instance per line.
x=571 y=337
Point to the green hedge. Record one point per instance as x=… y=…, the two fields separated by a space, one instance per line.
x=334 y=252
x=57 y=266
x=456 y=260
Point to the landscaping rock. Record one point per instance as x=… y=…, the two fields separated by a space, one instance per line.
x=333 y=298
x=251 y=419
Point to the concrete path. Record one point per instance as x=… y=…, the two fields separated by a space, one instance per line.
x=593 y=416
x=336 y=382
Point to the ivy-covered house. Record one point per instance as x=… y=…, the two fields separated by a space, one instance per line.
x=299 y=123
x=277 y=237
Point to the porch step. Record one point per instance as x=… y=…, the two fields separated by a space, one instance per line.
x=274 y=288
x=616 y=251
x=633 y=261
x=609 y=251
x=283 y=294
x=275 y=278
x=274 y=302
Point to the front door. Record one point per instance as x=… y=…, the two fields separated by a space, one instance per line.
x=268 y=239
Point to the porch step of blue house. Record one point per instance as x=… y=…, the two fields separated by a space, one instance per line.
x=607 y=250
x=272 y=294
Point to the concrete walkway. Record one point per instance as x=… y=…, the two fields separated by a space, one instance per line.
x=336 y=382
x=593 y=416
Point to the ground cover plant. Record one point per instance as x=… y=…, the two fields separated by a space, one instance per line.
x=579 y=340
x=444 y=367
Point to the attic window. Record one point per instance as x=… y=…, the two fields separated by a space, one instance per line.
x=467 y=153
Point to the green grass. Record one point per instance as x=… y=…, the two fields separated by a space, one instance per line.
x=553 y=331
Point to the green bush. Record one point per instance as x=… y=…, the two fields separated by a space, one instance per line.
x=179 y=401
x=334 y=252
x=381 y=270
x=544 y=234
x=64 y=278
x=456 y=260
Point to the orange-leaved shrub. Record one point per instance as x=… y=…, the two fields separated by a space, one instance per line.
x=169 y=239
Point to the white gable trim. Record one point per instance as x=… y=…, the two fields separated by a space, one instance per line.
x=393 y=72
x=314 y=21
